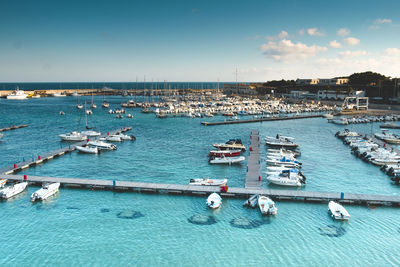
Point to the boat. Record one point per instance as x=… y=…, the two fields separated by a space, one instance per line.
x=214 y=201
x=114 y=138
x=281 y=141
x=287 y=178
x=252 y=201
x=75 y=94
x=328 y=116
x=3 y=182
x=226 y=153
x=59 y=95
x=346 y=133
x=208 y=181
x=93 y=105
x=390 y=126
x=388 y=137
x=337 y=211
x=267 y=206
x=17 y=95
x=62 y=113
x=79 y=106
x=13 y=190
x=125 y=136
x=226 y=160
x=73 y=136
x=45 y=192
x=283 y=162
x=341 y=121
x=105 y=104
x=102 y=145
x=91 y=133
x=232 y=144
x=88 y=149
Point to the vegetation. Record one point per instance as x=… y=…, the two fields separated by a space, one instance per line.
x=368 y=78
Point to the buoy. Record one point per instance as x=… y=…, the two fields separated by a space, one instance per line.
x=13 y=126
x=251 y=149
x=39 y=157
x=88 y=140
x=25 y=177
x=108 y=133
x=15 y=165
x=259 y=178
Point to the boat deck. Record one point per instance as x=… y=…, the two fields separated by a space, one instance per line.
x=261 y=120
x=14 y=127
x=253 y=178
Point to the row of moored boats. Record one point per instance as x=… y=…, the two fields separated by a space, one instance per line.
x=47 y=190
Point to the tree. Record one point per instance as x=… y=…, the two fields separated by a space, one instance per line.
x=366 y=78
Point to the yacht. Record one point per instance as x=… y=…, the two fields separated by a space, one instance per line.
x=337 y=211
x=214 y=201
x=232 y=144
x=45 y=192
x=267 y=206
x=73 y=136
x=13 y=190
x=17 y=95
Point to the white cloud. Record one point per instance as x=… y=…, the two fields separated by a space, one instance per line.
x=335 y=44
x=382 y=21
x=301 y=32
x=314 y=32
x=281 y=35
x=348 y=53
x=352 y=41
x=343 y=32
x=392 y=52
x=287 y=51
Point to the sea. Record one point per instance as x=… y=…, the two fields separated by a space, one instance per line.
x=104 y=228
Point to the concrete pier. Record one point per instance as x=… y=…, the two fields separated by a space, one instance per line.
x=261 y=120
x=253 y=176
x=14 y=127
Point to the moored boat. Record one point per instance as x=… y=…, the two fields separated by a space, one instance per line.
x=337 y=211
x=208 y=181
x=90 y=133
x=88 y=149
x=267 y=206
x=280 y=141
x=73 y=136
x=45 y=192
x=226 y=160
x=232 y=144
x=3 y=182
x=287 y=178
x=17 y=95
x=252 y=201
x=214 y=201
x=226 y=153
x=102 y=145
x=13 y=190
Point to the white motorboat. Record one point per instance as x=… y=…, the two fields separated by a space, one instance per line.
x=341 y=121
x=252 y=201
x=17 y=95
x=280 y=141
x=79 y=106
x=102 y=145
x=126 y=137
x=388 y=137
x=13 y=190
x=227 y=160
x=88 y=149
x=1 y=135
x=283 y=162
x=329 y=116
x=114 y=138
x=278 y=168
x=267 y=206
x=337 y=211
x=347 y=133
x=45 y=192
x=3 y=182
x=208 y=181
x=59 y=95
x=90 y=133
x=231 y=144
x=214 y=201
x=73 y=136
x=287 y=178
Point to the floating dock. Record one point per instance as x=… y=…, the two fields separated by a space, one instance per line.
x=13 y=127
x=253 y=176
x=53 y=154
x=233 y=192
x=261 y=120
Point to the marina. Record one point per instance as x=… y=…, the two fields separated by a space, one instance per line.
x=296 y=117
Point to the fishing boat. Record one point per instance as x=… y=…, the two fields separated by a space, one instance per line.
x=337 y=211
x=17 y=95
x=208 y=181
x=13 y=190
x=214 y=201
x=232 y=144
x=45 y=192
x=287 y=178
x=226 y=160
x=102 y=145
x=252 y=201
x=280 y=141
x=73 y=136
x=226 y=153
x=267 y=206
x=3 y=182
x=88 y=149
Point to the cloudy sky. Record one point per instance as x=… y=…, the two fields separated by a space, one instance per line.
x=196 y=40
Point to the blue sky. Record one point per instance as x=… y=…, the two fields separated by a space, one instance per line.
x=196 y=40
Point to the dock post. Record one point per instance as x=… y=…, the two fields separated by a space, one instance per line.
x=25 y=177
x=114 y=183
x=15 y=165
x=341 y=195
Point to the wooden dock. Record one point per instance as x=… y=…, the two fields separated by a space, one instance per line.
x=261 y=120
x=253 y=176
x=53 y=154
x=14 y=127
x=233 y=192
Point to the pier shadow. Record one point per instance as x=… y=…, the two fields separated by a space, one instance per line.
x=246 y=223
x=202 y=219
x=129 y=214
x=332 y=230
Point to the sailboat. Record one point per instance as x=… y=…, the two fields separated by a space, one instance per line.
x=89 y=132
x=105 y=103
x=79 y=105
x=93 y=105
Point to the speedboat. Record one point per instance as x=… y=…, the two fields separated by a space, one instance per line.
x=287 y=178
x=88 y=149
x=252 y=201
x=388 y=137
x=337 y=211
x=114 y=138
x=341 y=121
x=45 y=192
x=91 y=133
x=3 y=182
x=232 y=144
x=73 y=136
x=226 y=153
x=102 y=145
x=208 y=181
x=267 y=206
x=226 y=160
x=346 y=133
x=283 y=162
x=13 y=190
x=214 y=201
x=17 y=95
x=280 y=141
x=59 y=95
x=126 y=137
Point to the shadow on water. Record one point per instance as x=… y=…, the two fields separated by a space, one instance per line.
x=129 y=214
x=202 y=219
x=246 y=223
x=72 y=208
x=104 y=210
x=332 y=230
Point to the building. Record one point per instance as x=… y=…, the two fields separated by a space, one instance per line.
x=338 y=95
x=323 y=82
x=240 y=89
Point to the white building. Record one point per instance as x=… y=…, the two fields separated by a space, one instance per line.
x=334 y=95
x=318 y=81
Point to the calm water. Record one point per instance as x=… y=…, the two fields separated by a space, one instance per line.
x=106 y=228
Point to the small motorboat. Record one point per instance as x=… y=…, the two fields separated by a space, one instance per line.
x=3 y=182
x=90 y=133
x=232 y=144
x=126 y=137
x=114 y=138
x=119 y=116
x=88 y=149
x=226 y=153
x=226 y=160
x=287 y=178
x=252 y=201
x=283 y=162
x=102 y=145
x=208 y=181
x=280 y=141
x=73 y=136
x=337 y=211
x=45 y=192
x=267 y=206
x=388 y=137
x=13 y=190
x=214 y=201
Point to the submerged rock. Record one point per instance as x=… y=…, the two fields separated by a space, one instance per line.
x=105 y=210
x=130 y=214
x=332 y=230
x=202 y=219
x=245 y=223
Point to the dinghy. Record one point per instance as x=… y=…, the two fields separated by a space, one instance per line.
x=267 y=206
x=13 y=190
x=45 y=192
x=214 y=201
x=252 y=201
x=208 y=181
x=337 y=211
x=87 y=149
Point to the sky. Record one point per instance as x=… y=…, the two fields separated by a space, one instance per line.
x=106 y=41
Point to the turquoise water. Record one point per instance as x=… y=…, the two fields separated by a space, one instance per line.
x=107 y=228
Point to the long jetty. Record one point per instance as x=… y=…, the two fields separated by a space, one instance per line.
x=261 y=120
x=14 y=127
x=53 y=154
x=253 y=177
x=233 y=192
